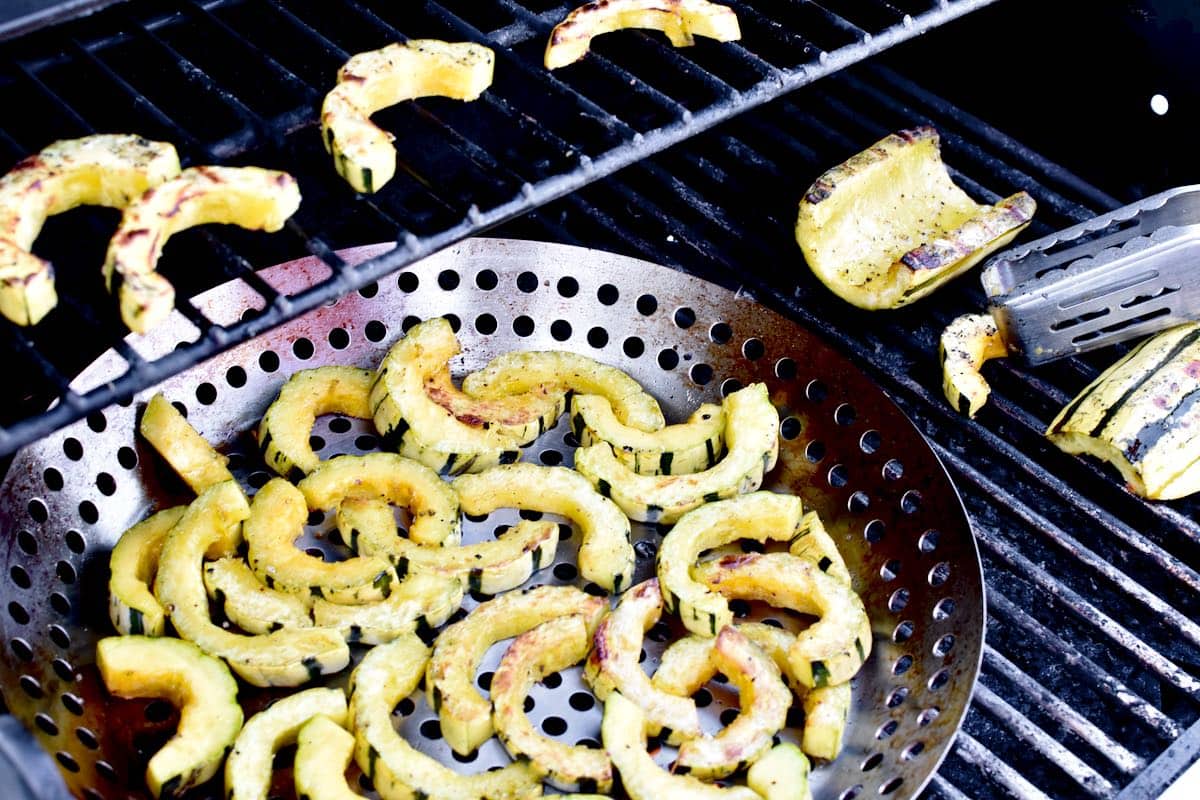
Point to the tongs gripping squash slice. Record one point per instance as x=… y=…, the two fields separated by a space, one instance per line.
x=362 y=151
x=102 y=170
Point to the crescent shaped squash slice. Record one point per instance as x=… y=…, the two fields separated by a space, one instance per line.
x=760 y=516
x=198 y=684
x=624 y=733
x=323 y=751
x=362 y=152
x=102 y=170
x=278 y=514
x=287 y=657
x=888 y=226
x=752 y=442
x=782 y=774
x=681 y=449
x=388 y=674
x=418 y=603
x=132 y=606
x=465 y=715
x=606 y=555
x=249 y=767
x=548 y=648
x=829 y=652
x=964 y=346
x=283 y=434
x=680 y=20
x=521 y=417
x=250 y=604
x=182 y=446
x=250 y=197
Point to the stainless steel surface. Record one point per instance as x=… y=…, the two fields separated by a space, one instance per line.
x=845 y=448
x=1121 y=275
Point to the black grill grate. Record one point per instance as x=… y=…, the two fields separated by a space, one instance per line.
x=1092 y=667
x=241 y=82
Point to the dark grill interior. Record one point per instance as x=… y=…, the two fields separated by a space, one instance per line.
x=1092 y=668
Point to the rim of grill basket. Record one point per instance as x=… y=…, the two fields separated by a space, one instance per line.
x=547 y=134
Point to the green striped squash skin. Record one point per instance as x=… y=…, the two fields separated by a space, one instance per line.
x=1142 y=416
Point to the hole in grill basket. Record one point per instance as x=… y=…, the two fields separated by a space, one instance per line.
x=19 y=576
x=912 y=751
x=523 y=326
x=887 y=729
x=339 y=339
x=303 y=349
x=891 y=785
x=375 y=331
x=53 y=479
x=701 y=374
x=898 y=696
x=27 y=543
x=64 y=670
x=898 y=600
x=859 y=502
x=560 y=329
x=268 y=361
x=944 y=645
x=720 y=333
x=939 y=679
x=60 y=603
x=527 y=282
x=582 y=701
x=74 y=704
x=939 y=574
x=789 y=428
x=568 y=286
x=928 y=541
x=96 y=421
x=754 y=349
x=21 y=649
x=910 y=502
x=43 y=721
x=874 y=530
x=206 y=393
x=88 y=512
x=838 y=476
x=903 y=631
x=32 y=687
x=554 y=726
x=634 y=347
x=448 y=279
x=67 y=761
x=872 y=761
x=565 y=572
x=106 y=484
x=551 y=458
x=890 y=570
x=409 y=323
x=455 y=322
x=37 y=510
x=72 y=449
x=943 y=609
x=729 y=386
x=484 y=279
x=647 y=304
x=685 y=317
x=850 y=793
x=928 y=715
x=370 y=290
x=597 y=337
x=18 y=613
x=668 y=359
x=485 y=324
x=902 y=665
x=608 y=294
x=235 y=376
x=59 y=635
x=87 y=738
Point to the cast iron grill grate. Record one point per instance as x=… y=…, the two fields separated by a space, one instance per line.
x=241 y=81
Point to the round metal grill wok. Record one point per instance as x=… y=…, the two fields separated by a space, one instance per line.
x=846 y=450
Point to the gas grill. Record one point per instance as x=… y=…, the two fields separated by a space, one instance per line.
x=1090 y=685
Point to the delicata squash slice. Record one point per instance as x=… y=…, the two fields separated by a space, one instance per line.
x=763 y=697
x=283 y=434
x=829 y=652
x=323 y=751
x=254 y=198
x=813 y=543
x=614 y=665
x=415 y=426
x=489 y=567
x=680 y=20
x=278 y=514
x=198 y=684
x=965 y=345
x=101 y=170
x=132 y=606
x=249 y=768
x=286 y=657
x=522 y=417
x=362 y=152
x=465 y=716
x=1142 y=417
x=888 y=226
x=523 y=371
x=403 y=482
x=388 y=674
x=606 y=555
x=182 y=446
x=250 y=604
x=752 y=441
x=674 y=450
x=624 y=733
x=782 y=774
x=418 y=603
x=759 y=516
x=548 y=648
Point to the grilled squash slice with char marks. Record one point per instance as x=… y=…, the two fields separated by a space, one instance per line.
x=1143 y=416
x=606 y=555
x=550 y=647
x=286 y=657
x=388 y=674
x=523 y=371
x=431 y=502
x=283 y=435
x=759 y=516
x=752 y=439
x=813 y=543
x=674 y=450
x=521 y=417
x=419 y=603
x=782 y=774
x=250 y=197
x=362 y=152
x=323 y=751
x=466 y=717
x=888 y=226
x=132 y=606
x=182 y=446
x=965 y=345
x=415 y=426
x=199 y=685
x=763 y=697
x=624 y=733
x=833 y=649
x=250 y=765
x=277 y=518
x=826 y=712
x=101 y=170
x=251 y=605
x=614 y=665
x=680 y=20
x=489 y=567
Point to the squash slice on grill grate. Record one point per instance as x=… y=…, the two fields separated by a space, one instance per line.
x=521 y=417
x=674 y=450
x=101 y=170
x=362 y=152
x=888 y=226
x=964 y=346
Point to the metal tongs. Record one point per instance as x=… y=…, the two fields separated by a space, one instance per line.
x=1124 y=274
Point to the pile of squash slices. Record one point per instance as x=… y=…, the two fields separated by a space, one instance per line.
x=224 y=574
